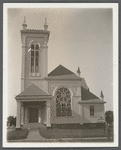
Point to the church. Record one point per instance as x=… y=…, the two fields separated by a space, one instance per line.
x=60 y=98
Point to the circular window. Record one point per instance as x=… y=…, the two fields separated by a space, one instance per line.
x=63 y=102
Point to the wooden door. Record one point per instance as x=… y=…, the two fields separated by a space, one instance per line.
x=33 y=115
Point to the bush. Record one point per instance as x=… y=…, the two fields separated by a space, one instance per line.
x=11 y=120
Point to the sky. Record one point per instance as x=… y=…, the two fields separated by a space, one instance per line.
x=78 y=37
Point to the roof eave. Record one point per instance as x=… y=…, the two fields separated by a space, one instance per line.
x=88 y=102
x=32 y=97
x=49 y=78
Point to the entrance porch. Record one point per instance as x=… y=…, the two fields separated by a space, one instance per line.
x=33 y=114
x=33 y=108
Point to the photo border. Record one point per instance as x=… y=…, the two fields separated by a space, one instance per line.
x=115 y=74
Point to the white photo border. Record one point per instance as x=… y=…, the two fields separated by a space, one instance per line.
x=114 y=6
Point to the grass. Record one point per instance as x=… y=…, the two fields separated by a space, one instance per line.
x=17 y=135
x=71 y=133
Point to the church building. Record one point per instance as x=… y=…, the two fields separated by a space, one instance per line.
x=61 y=97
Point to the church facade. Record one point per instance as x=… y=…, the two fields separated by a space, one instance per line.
x=58 y=98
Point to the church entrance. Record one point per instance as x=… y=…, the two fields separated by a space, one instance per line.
x=33 y=115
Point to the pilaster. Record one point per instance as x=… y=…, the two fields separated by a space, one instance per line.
x=23 y=69
x=18 y=121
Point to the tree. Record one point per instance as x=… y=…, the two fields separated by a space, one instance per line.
x=109 y=116
x=11 y=120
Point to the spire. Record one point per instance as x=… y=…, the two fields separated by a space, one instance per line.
x=45 y=25
x=101 y=95
x=24 y=24
x=78 y=72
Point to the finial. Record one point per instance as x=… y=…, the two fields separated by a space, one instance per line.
x=45 y=25
x=102 y=96
x=45 y=21
x=24 y=20
x=78 y=71
x=24 y=24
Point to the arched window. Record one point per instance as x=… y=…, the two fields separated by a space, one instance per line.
x=34 y=58
x=63 y=102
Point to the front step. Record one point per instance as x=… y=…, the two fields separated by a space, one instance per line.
x=35 y=125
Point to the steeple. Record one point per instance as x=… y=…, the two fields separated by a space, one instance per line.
x=78 y=72
x=102 y=96
x=45 y=25
x=24 y=24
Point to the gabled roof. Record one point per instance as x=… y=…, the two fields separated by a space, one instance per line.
x=33 y=90
x=60 y=70
x=87 y=95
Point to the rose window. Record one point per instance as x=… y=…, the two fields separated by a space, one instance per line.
x=63 y=102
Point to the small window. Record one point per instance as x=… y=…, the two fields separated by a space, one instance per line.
x=91 y=110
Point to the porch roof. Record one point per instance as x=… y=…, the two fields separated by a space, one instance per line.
x=32 y=92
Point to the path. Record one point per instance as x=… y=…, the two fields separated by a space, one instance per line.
x=34 y=135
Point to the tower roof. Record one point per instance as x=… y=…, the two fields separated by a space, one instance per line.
x=60 y=70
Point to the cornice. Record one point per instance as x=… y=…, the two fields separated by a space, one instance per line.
x=35 y=31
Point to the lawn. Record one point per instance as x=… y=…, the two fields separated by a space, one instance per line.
x=71 y=133
x=16 y=135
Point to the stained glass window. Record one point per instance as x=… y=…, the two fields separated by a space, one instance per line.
x=63 y=102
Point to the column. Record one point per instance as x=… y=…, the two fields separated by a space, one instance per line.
x=18 y=121
x=48 y=114
x=26 y=117
x=22 y=114
x=39 y=116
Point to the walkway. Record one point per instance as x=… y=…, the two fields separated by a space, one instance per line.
x=34 y=135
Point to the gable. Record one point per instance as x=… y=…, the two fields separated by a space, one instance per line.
x=60 y=70
x=33 y=90
x=87 y=95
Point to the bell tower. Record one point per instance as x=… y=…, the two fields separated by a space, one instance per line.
x=34 y=56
